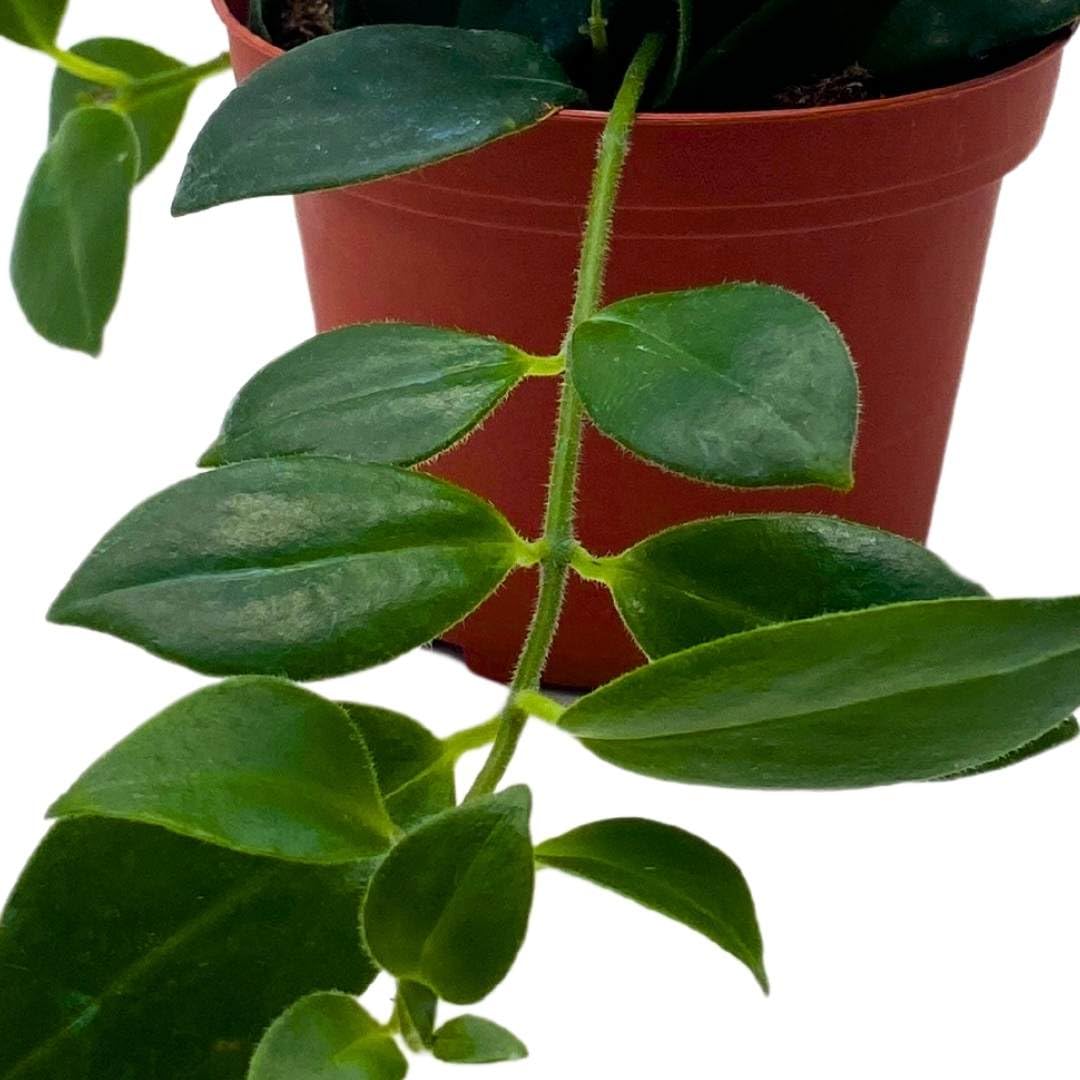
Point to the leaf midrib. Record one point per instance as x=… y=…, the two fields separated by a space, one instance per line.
x=825 y=713
x=145 y=965
x=712 y=372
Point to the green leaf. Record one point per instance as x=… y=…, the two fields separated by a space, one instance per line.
x=381 y=393
x=327 y=1036
x=416 y=781
x=744 y=385
x=307 y=567
x=899 y=693
x=155 y=117
x=703 y=581
x=472 y=1040
x=257 y=765
x=448 y=907
x=70 y=243
x=127 y=953
x=555 y=24
x=922 y=34
x=1059 y=736
x=669 y=871
x=34 y=23
x=415 y=1008
x=368 y=103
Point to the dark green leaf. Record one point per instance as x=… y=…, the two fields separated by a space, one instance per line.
x=922 y=34
x=327 y=1037
x=367 y=103
x=71 y=239
x=418 y=12
x=308 y=567
x=257 y=18
x=382 y=393
x=416 y=1008
x=155 y=117
x=743 y=385
x=257 y=765
x=699 y=582
x=555 y=24
x=129 y=953
x=898 y=693
x=448 y=907
x=32 y=22
x=417 y=782
x=472 y=1040
x=669 y=871
x=1059 y=736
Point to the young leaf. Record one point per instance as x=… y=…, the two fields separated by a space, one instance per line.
x=703 y=581
x=327 y=1036
x=127 y=951
x=415 y=1008
x=899 y=693
x=381 y=393
x=744 y=385
x=155 y=117
x=472 y=1040
x=257 y=765
x=415 y=780
x=70 y=243
x=927 y=34
x=34 y=23
x=1059 y=736
x=448 y=907
x=307 y=567
x=669 y=871
x=367 y=103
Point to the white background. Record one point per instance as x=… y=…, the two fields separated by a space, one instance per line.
x=926 y=931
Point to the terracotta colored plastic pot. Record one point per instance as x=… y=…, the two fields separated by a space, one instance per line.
x=881 y=212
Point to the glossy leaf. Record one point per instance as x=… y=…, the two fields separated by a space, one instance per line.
x=472 y=1040
x=448 y=907
x=908 y=692
x=743 y=385
x=555 y=24
x=70 y=243
x=129 y=952
x=257 y=765
x=32 y=22
x=327 y=1036
x=1059 y=736
x=367 y=103
x=382 y=393
x=669 y=871
x=416 y=781
x=922 y=34
x=307 y=567
x=415 y=1008
x=155 y=117
x=703 y=581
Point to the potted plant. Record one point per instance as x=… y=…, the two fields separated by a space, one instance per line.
x=832 y=169
x=193 y=913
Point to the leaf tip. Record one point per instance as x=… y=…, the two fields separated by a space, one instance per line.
x=213 y=457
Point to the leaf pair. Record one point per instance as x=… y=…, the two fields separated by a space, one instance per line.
x=743 y=385
x=70 y=244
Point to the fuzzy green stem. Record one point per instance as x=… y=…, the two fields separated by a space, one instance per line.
x=81 y=68
x=559 y=518
x=166 y=81
x=475 y=738
x=598 y=29
x=540 y=706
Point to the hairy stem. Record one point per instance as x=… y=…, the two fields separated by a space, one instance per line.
x=559 y=518
x=598 y=29
x=81 y=68
x=170 y=80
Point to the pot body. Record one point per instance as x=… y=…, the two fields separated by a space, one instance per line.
x=880 y=212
